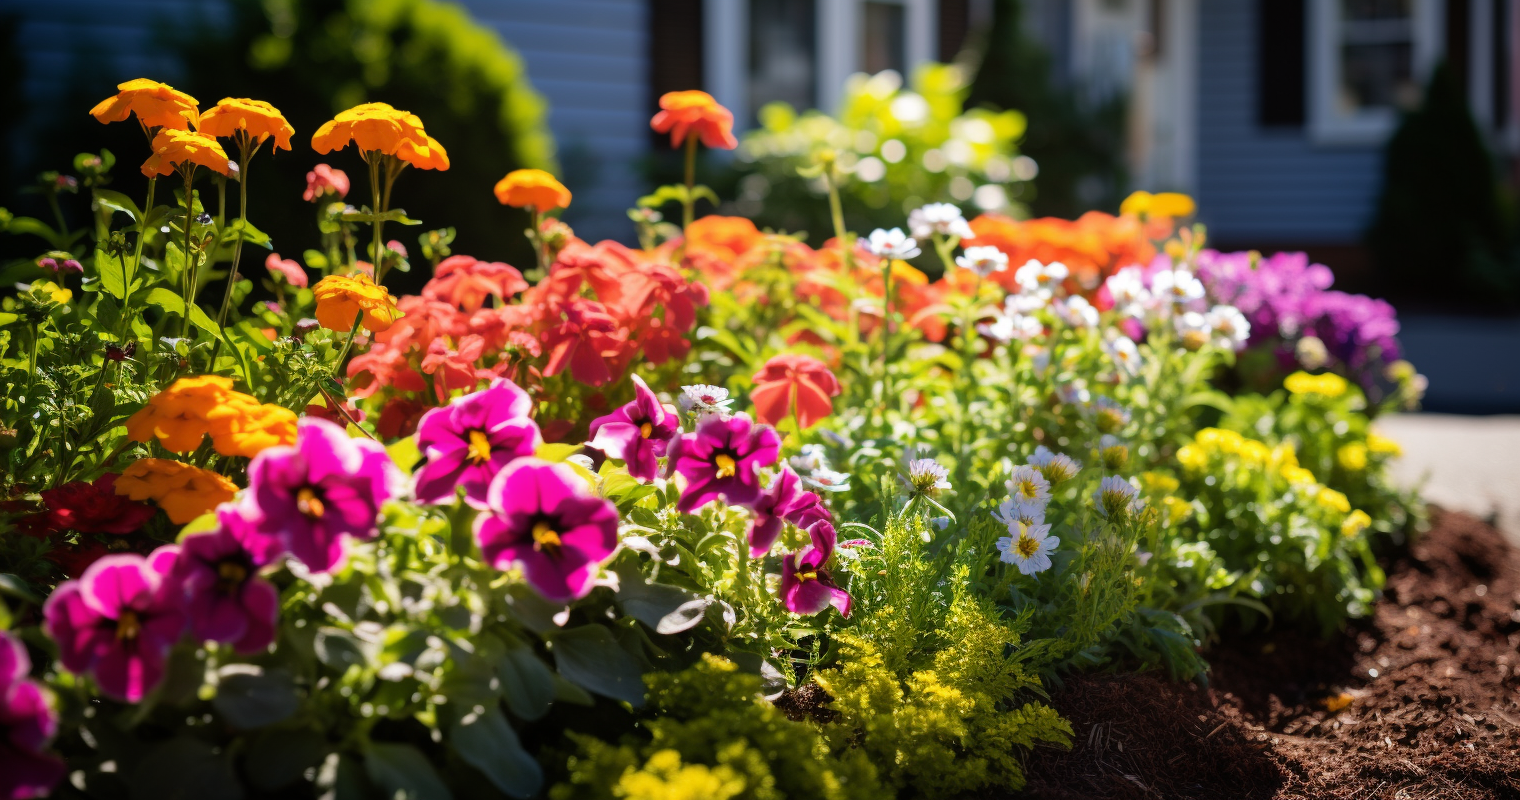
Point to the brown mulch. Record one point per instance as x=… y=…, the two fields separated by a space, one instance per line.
x=1420 y=701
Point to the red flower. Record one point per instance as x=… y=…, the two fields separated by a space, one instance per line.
x=325 y=179
x=455 y=369
x=399 y=418
x=93 y=508
x=336 y=416
x=695 y=112
x=465 y=282
x=380 y=368
x=788 y=379
x=585 y=339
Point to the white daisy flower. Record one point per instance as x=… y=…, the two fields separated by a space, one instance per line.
x=1076 y=312
x=1231 y=329
x=1021 y=303
x=942 y=218
x=892 y=244
x=1177 y=286
x=1008 y=327
x=1127 y=288
x=1037 y=277
x=827 y=480
x=1125 y=355
x=1028 y=489
x=1056 y=467
x=1010 y=512
x=703 y=400
x=983 y=260
x=1117 y=498
x=810 y=458
x=927 y=476
x=1192 y=330
x=1108 y=414
x=1028 y=547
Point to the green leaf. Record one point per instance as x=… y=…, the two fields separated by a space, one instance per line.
x=184 y=769
x=341 y=779
x=339 y=649
x=403 y=772
x=589 y=657
x=249 y=697
x=666 y=609
x=36 y=227
x=404 y=452
x=277 y=758
x=315 y=259
x=670 y=193
x=116 y=201
x=110 y=270
x=526 y=682
x=174 y=304
x=486 y=742
x=249 y=233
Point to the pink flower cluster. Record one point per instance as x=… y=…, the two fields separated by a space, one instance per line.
x=27 y=724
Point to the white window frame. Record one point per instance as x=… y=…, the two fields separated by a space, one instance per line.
x=725 y=57
x=1327 y=124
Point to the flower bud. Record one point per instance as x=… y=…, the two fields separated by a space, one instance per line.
x=304 y=327
x=121 y=352
x=49 y=264
x=71 y=266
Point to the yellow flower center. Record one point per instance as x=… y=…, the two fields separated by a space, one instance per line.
x=1027 y=490
x=1027 y=546
x=807 y=576
x=232 y=572
x=646 y=430
x=726 y=465
x=546 y=539
x=309 y=504
x=127 y=626
x=480 y=447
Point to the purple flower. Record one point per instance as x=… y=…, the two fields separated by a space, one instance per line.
x=470 y=440
x=783 y=501
x=306 y=498
x=27 y=724
x=721 y=459
x=226 y=599
x=806 y=585
x=542 y=518
x=118 y=623
x=638 y=432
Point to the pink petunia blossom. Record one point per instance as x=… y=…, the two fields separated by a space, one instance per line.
x=542 y=519
x=471 y=439
x=324 y=180
x=27 y=724
x=783 y=501
x=227 y=600
x=807 y=587
x=638 y=432
x=721 y=459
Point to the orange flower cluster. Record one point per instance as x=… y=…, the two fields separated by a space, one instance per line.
x=185 y=135
x=172 y=147
x=532 y=188
x=182 y=491
x=157 y=105
x=1093 y=247
x=599 y=309
x=684 y=114
x=190 y=408
x=379 y=128
x=342 y=298
x=256 y=119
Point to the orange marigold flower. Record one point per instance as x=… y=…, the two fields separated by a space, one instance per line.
x=245 y=427
x=370 y=126
x=342 y=298
x=532 y=188
x=426 y=155
x=684 y=113
x=172 y=148
x=182 y=491
x=791 y=379
x=724 y=237
x=258 y=119
x=157 y=105
x=176 y=416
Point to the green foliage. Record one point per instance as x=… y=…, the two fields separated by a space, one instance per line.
x=711 y=735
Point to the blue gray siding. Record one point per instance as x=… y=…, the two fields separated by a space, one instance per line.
x=1260 y=185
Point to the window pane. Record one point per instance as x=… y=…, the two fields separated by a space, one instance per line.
x=882 y=41
x=781 y=47
x=1377 y=55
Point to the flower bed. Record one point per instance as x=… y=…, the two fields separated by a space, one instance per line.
x=569 y=530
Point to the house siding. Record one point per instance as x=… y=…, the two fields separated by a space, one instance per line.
x=587 y=57
x=1259 y=186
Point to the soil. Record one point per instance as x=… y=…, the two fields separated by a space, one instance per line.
x=1419 y=701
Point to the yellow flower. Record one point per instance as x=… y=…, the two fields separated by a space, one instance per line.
x=1328 y=384
x=532 y=188
x=1171 y=205
x=256 y=118
x=1158 y=482
x=157 y=105
x=171 y=148
x=1383 y=446
x=49 y=292
x=182 y=491
x=1284 y=455
x=1176 y=508
x=340 y=299
x=1254 y=453
x=1192 y=458
x=1332 y=500
x=1352 y=456
x=1297 y=475
x=1356 y=522
x=371 y=127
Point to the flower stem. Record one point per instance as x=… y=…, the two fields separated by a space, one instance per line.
x=688 y=203
x=189 y=265
x=373 y=158
x=352 y=332
x=540 y=246
x=237 y=246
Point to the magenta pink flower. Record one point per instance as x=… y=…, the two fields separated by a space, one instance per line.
x=118 y=623
x=542 y=518
x=471 y=439
x=227 y=600
x=638 y=433
x=308 y=498
x=721 y=460
x=287 y=269
x=783 y=501
x=27 y=724
x=806 y=585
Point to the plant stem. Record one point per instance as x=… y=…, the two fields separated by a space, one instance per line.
x=540 y=245
x=189 y=277
x=237 y=247
x=142 y=236
x=63 y=228
x=688 y=204
x=352 y=332
x=374 y=186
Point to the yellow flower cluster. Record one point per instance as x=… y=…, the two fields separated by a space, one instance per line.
x=1211 y=447
x=1328 y=384
x=1159 y=484
x=664 y=777
x=1356 y=522
x=1212 y=442
x=190 y=408
x=182 y=491
x=1352 y=456
x=1383 y=446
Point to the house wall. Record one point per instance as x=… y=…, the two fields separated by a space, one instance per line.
x=587 y=57
x=1260 y=186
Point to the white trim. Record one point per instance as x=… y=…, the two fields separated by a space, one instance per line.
x=922 y=34
x=1327 y=125
x=725 y=55
x=838 y=43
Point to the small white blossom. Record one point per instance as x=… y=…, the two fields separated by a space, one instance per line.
x=1076 y=312
x=942 y=218
x=1311 y=352
x=1176 y=286
x=1108 y=414
x=704 y=400
x=1010 y=512
x=827 y=480
x=1008 y=327
x=810 y=458
x=892 y=244
x=1113 y=451
x=983 y=260
x=1056 y=467
x=1020 y=303
x=1127 y=288
x=1028 y=547
x=1192 y=329
x=1125 y=355
x=927 y=476
x=1028 y=489
x=1117 y=498
x=1037 y=277
x=1231 y=329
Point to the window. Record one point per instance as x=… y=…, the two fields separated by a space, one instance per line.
x=1369 y=59
x=881 y=38
x=781 y=54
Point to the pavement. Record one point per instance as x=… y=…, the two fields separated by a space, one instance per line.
x=1463 y=463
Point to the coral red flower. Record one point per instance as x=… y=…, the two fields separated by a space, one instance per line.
x=324 y=180
x=287 y=269
x=695 y=112
x=790 y=380
x=93 y=508
x=465 y=282
x=399 y=417
x=587 y=341
x=455 y=369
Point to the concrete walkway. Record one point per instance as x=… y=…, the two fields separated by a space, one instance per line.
x=1467 y=464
